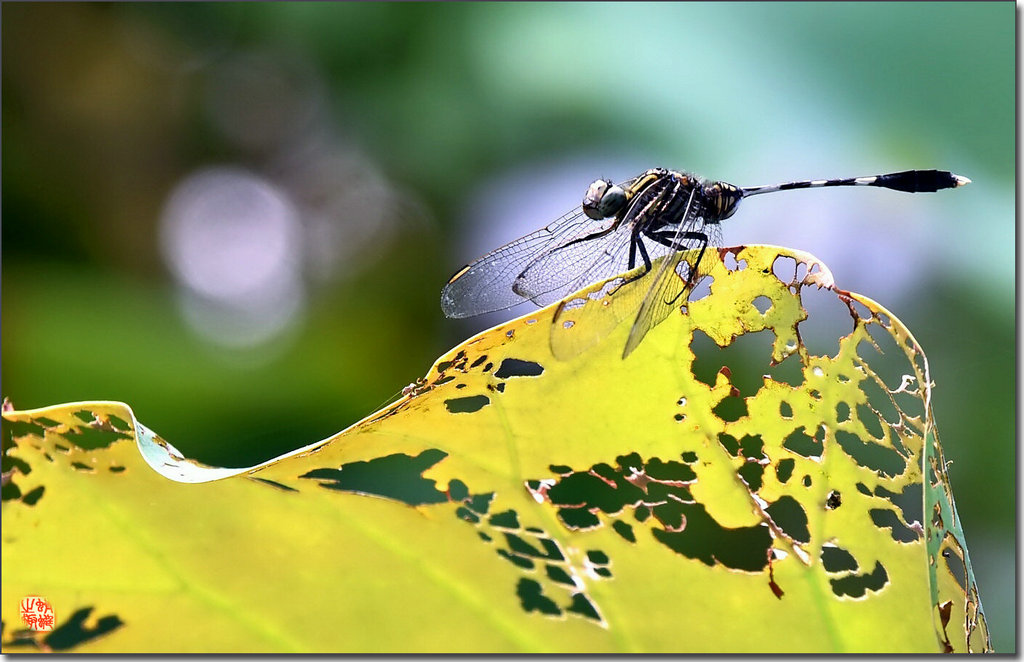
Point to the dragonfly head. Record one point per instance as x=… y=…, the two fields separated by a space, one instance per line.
x=722 y=199
x=603 y=199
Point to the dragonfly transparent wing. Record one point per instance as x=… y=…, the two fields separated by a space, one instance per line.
x=485 y=285
x=565 y=269
x=581 y=322
x=670 y=287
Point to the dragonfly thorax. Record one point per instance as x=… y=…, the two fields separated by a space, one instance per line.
x=603 y=199
x=721 y=200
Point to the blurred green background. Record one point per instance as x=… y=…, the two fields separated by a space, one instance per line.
x=237 y=218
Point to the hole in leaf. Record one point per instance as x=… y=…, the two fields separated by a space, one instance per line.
x=578 y=518
x=660 y=493
x=871 y=455
x=515 y=559
x=467 y=405
x=670 y=514
x=19 y=429
x=518 y=368
x=956 y=567
x=481 y=503
x=790 y=371
x=582 y=606
x=762 y=303
x=90 y=438
x=785 y=410
x=887 y=519
x=532 y=598
x=669 y=471
x=397 y=477
x=856 y=586
x=73 y=631
x=10 y=491
x=504 y=520
x=624 y=530
x=828 y=320
x=752 y=474
x=457 y=490
x=10 y=463
x=33 y=495
x=468 y=515
x=579 y=489
x=729 y=443
x=701 y=289
x=908 y=501
x=752 y=447
x=521 y=547
x=559 y=575
x=801 y=444
x=784 y=469
x=744 y=548
x=789 y=515
x=784 y=268
x=836 y=559
x=745 y=356
x=731 y=409
x=870 y=420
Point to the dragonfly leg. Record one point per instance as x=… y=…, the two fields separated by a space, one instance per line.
x=639 y=243
x=636 y=242
x=692 y=280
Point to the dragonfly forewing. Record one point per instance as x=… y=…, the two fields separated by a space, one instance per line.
x=484 y=285
x=565 y=269
x=583 y=321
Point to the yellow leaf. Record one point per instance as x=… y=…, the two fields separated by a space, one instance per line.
x=512 y=501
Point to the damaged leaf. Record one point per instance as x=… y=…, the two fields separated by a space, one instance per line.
x=686 y=499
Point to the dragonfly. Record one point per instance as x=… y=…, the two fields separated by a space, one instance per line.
x=625 y=228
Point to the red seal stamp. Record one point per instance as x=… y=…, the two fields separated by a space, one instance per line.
x=37 y=613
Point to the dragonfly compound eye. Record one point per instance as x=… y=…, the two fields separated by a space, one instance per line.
x=603 y=200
